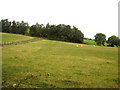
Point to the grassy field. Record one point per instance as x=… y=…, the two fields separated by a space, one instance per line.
x=55 y=64
x=14 y=37
x=89 y=42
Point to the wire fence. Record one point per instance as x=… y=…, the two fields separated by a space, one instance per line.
x=4 y=43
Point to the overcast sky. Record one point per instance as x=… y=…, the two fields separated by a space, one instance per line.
x=89 y=16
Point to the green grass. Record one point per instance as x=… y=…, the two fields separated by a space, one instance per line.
x=92 y=42
x=89 y=42
x=14 y=37
x=55 y=64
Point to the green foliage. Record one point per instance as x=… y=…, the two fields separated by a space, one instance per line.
x=100 y=38
x=14 y=27
x=113 y=40
x=6 y=26
x=57 y=32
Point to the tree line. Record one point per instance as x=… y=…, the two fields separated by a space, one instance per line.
x=100 y=39
x=14 y=27
x=59 y=32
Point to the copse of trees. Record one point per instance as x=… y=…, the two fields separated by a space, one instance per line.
x=6 y=26
x=113 y=40
x=60 y=32
x=14 y=27
x=100 y=38
x=57 y=32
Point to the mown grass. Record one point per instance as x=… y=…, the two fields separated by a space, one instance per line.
x=55 y=64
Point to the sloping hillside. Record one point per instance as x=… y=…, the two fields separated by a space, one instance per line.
x=6 y=37
x=55 y=64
